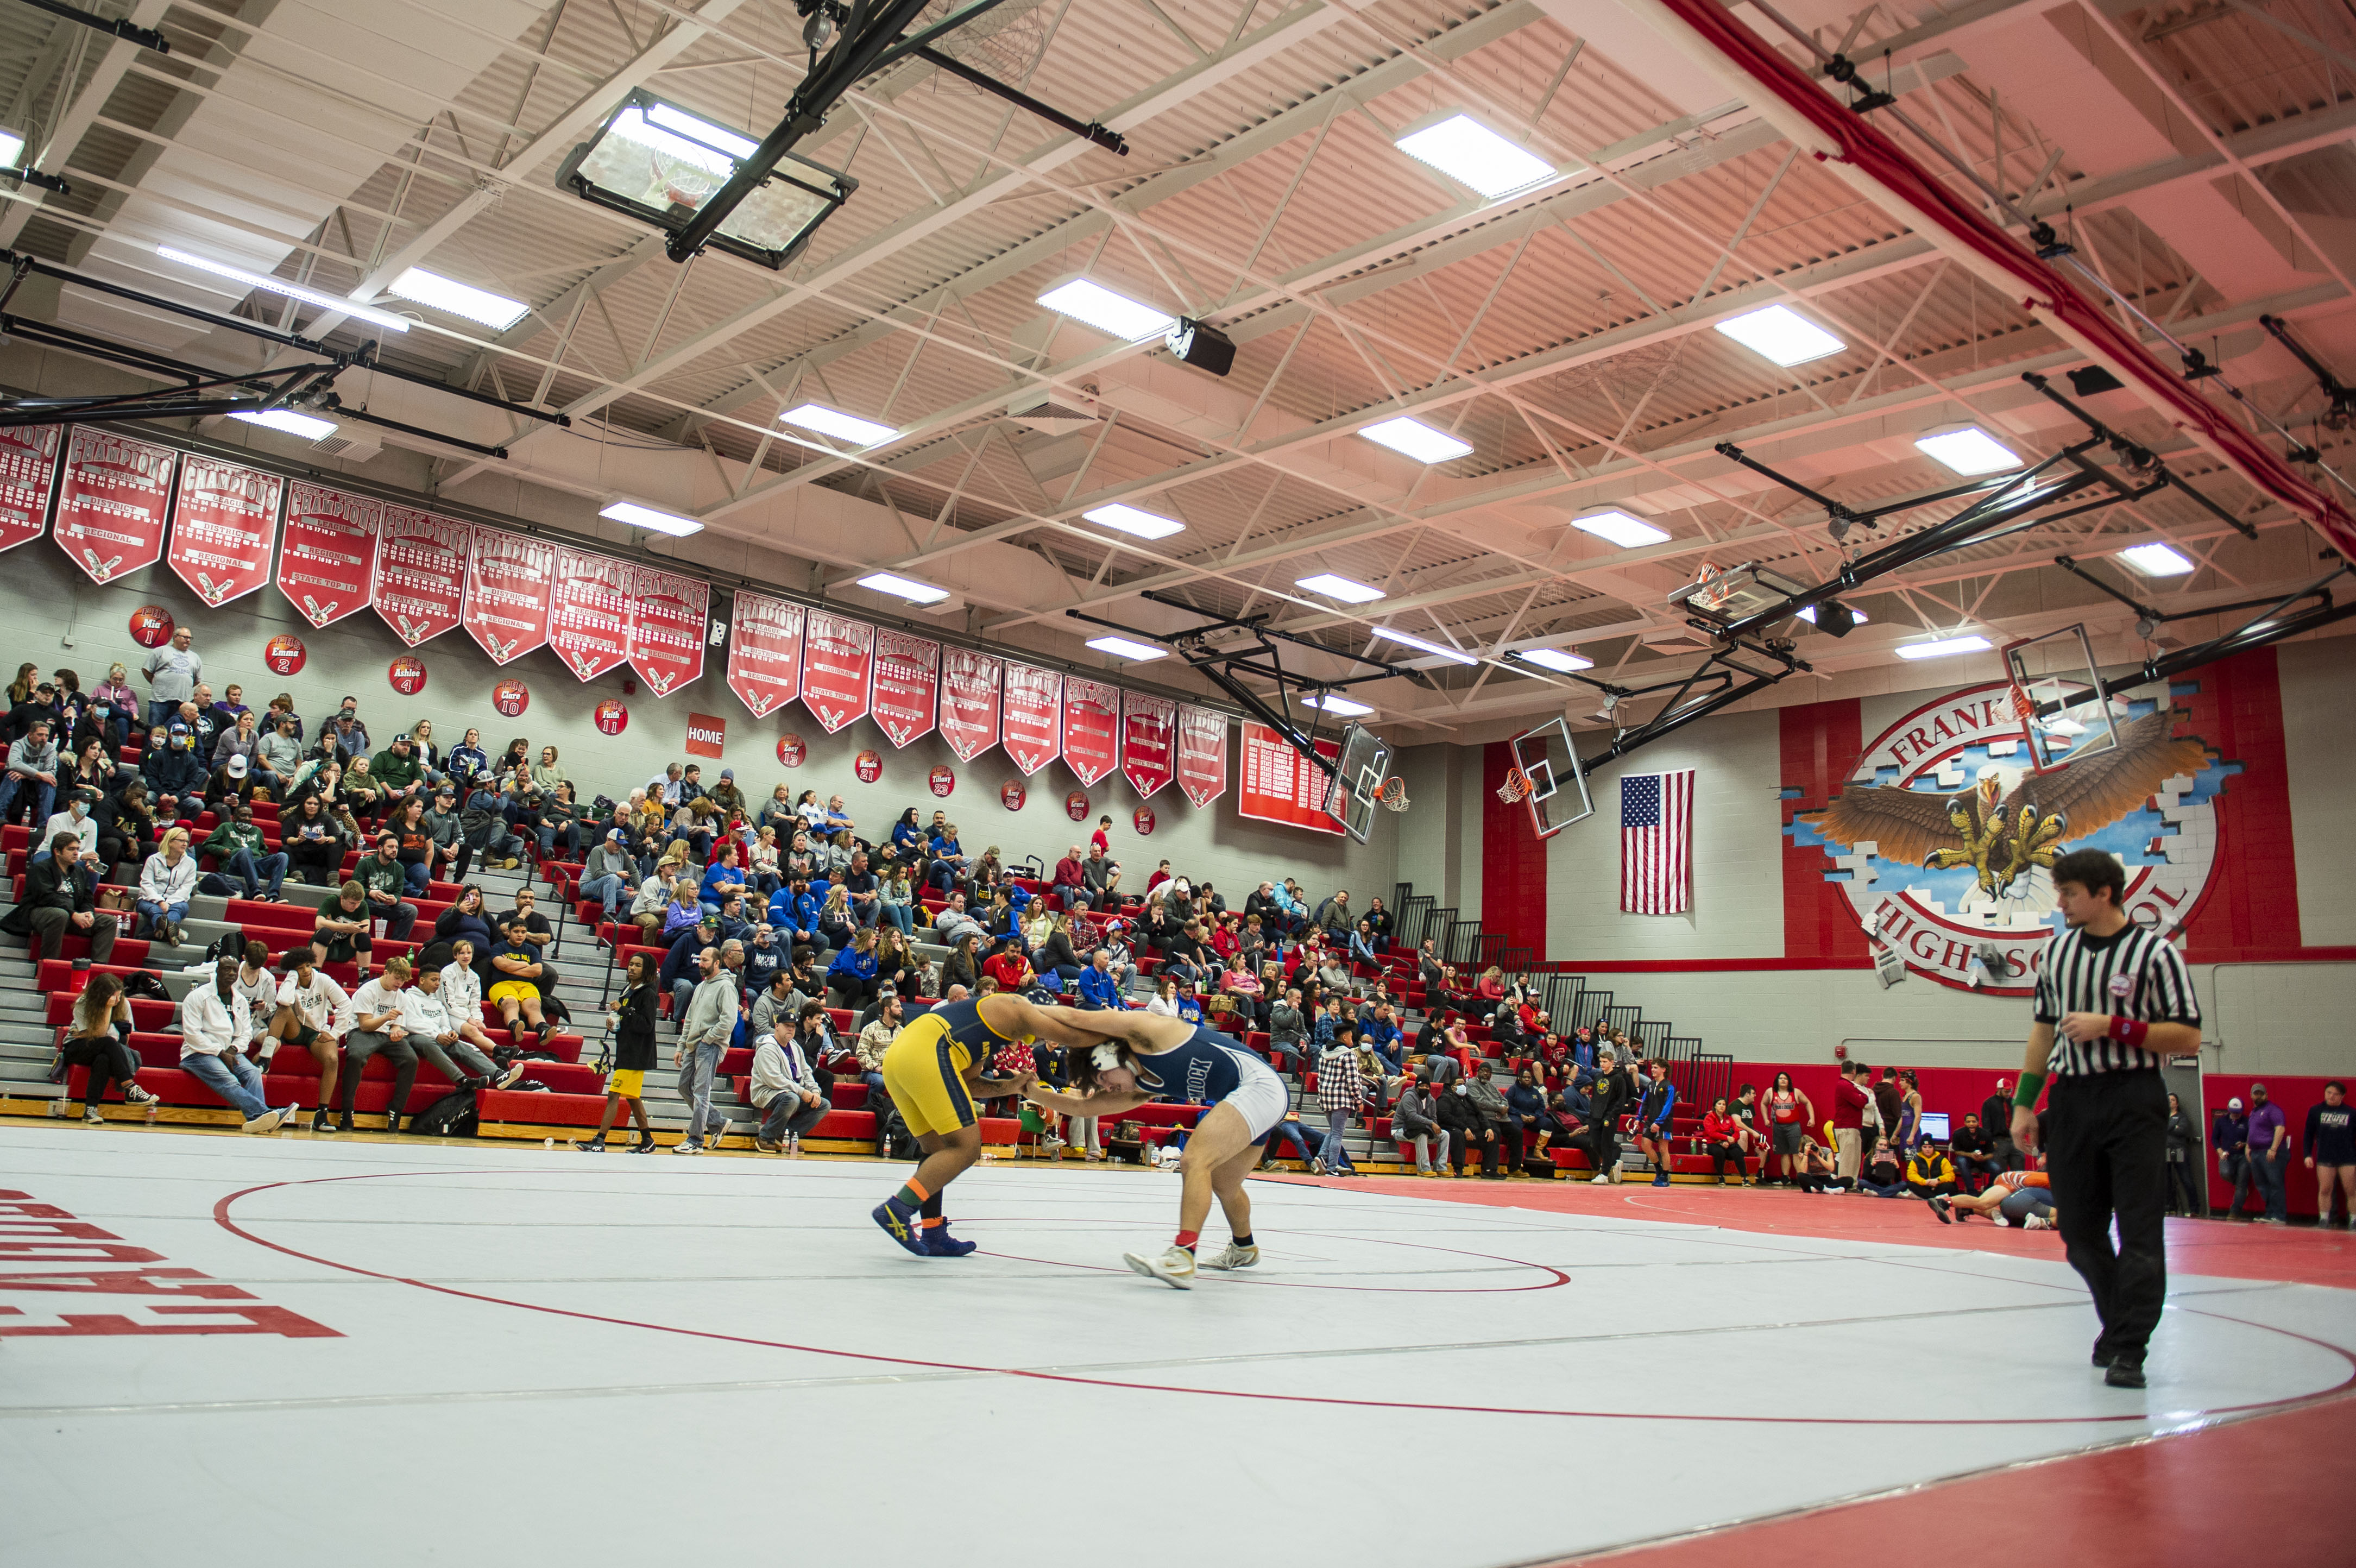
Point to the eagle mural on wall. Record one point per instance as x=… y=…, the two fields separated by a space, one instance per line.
x=2002 y=835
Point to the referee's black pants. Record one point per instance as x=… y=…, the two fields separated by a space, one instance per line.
x=2105 y=1138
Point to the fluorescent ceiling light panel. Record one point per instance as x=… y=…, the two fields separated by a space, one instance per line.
x=1333 y=703
x=1451 y=654
x=309 y=426
x=1944 y=647
x=1083 y=299
x=1557 y=659
x=908 y=588
x=1123 y=648
x=12 y=150
x=1341 y=588
x=1619 y=527
x=835 y=423
x=493 y=310
x=1969 y=451
x=1470 y=153
x=1130 y=519
x=650 y=518
x=2156 y=560
x=1414 y=439
x=1781 y=334
x=1809 y=614
x=383 y=318
x=662 y=117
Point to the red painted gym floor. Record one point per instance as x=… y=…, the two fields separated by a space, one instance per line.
x=2264 y=1487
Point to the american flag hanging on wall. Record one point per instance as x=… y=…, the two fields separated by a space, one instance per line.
x=1656 y=843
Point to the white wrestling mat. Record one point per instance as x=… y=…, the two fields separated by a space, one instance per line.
x=216 y=1350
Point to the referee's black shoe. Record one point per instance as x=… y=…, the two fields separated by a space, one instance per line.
x=2104 y=1354
x=2125 y=1374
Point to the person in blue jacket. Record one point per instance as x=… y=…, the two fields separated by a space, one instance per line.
x=908 y=846
x=679 y=973
x=1653 y=1120
x=793 y=910
x=723 y=873
x=1099 y=987
x=173 y=768
x=852 y=975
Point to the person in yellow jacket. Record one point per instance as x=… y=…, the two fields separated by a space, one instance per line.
x=1930 y=1174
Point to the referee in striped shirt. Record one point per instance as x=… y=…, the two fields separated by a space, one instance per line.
x=2113 y=1001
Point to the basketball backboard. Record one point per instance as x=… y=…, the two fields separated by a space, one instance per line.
x=1557 y=785
x=1359 y=775
x=2059 y=666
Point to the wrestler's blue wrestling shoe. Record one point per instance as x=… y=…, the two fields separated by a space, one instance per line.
x=898 y=1222
x=939 y=1243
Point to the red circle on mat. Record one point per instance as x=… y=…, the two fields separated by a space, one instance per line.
x=1142 y=819
x=1012 y=794
x=284 y=654
x=611 y=718
x=510 y=697
x=151 y=626
x=868 y=766
x=407 y=674
x=791 y=751
x=942 y=779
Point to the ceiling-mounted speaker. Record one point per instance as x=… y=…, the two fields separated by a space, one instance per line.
x=1835 y=617
x=1200 y=345
x=2092 y=380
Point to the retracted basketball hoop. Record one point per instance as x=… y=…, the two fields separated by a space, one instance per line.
x=1545 y=776
x=2056 y=693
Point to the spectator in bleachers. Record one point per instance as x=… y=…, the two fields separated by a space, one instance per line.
x=560 y=822
x=166 y=882
x=519 y=977
x=452 y=1044
x=650 y=906
x=99 y=1039
x=1381 y=1034
x=765 y=863
x=546 y=775
x=214 y=1028
x=1070 y=881
x=171 y=673
x=61 y=896
x=282 y=707
x=239 y=850
x=94 y=768
x=682 y=961
x=897 y=967
x=721 y=875
x=1467 y=1128
x=314 y=1013
x=1653 y=1112
x=853 y=974
x=483 y=823
x=468 y=919
x=1481 y=1089
x=1527 y=1121
x=447 y=857
x=234 y=782
x=382 y=877
x=1415 y=1123
x=1288 y=1028
x=1008 y=967
x=874 y=1037
x=400 y=778
x=119 y=703
x=237 y=738
x=707 y=1026
x=171 y=766
x=1098 y=987
x=73 y=818
x=776 y=1005
x=469 y=761
x=32 y=771
x=610 y=876
x=896 y=900
x=945 y=860
x=341 y=932
x=963 y=966
x=1379 y=925
x=834 y=918
x=278 y=757
x=785 y=1092
x=764 y=960
x=378 y=1029
x=312 y=843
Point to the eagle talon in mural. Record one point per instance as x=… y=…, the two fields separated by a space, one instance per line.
x=2001 y=838
x=1947 y=788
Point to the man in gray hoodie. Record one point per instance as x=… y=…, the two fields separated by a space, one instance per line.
x=705 y=1033
x=1415 y=1122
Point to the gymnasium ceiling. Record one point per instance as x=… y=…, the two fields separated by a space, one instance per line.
x=2198 y=155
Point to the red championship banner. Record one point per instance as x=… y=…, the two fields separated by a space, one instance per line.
x=668 y=628
x=1279 y=784
x=510 y=578
x=1032 y=722
x=224 y=522
x=589 y=612
x=906 y=685
x=112 y=502
x=1091 y=728
x=969 y=701
x=1202 y=752
x=28 y=477
x=1149 y=742
x=765 y=653
x=837 y=653
x=420 y=573
x=329 y=559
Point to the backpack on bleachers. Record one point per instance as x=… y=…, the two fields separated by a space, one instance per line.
x=452 y=1116
x=895 y=1136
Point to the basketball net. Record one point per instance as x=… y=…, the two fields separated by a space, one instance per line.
x=2024 y=706
x=1516 y=786
x=1394 y=793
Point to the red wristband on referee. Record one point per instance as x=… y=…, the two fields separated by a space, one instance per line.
x=2130 y=1031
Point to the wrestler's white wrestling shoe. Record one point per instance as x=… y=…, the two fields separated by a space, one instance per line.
x=1173 y=1267
x=1230 y=1257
